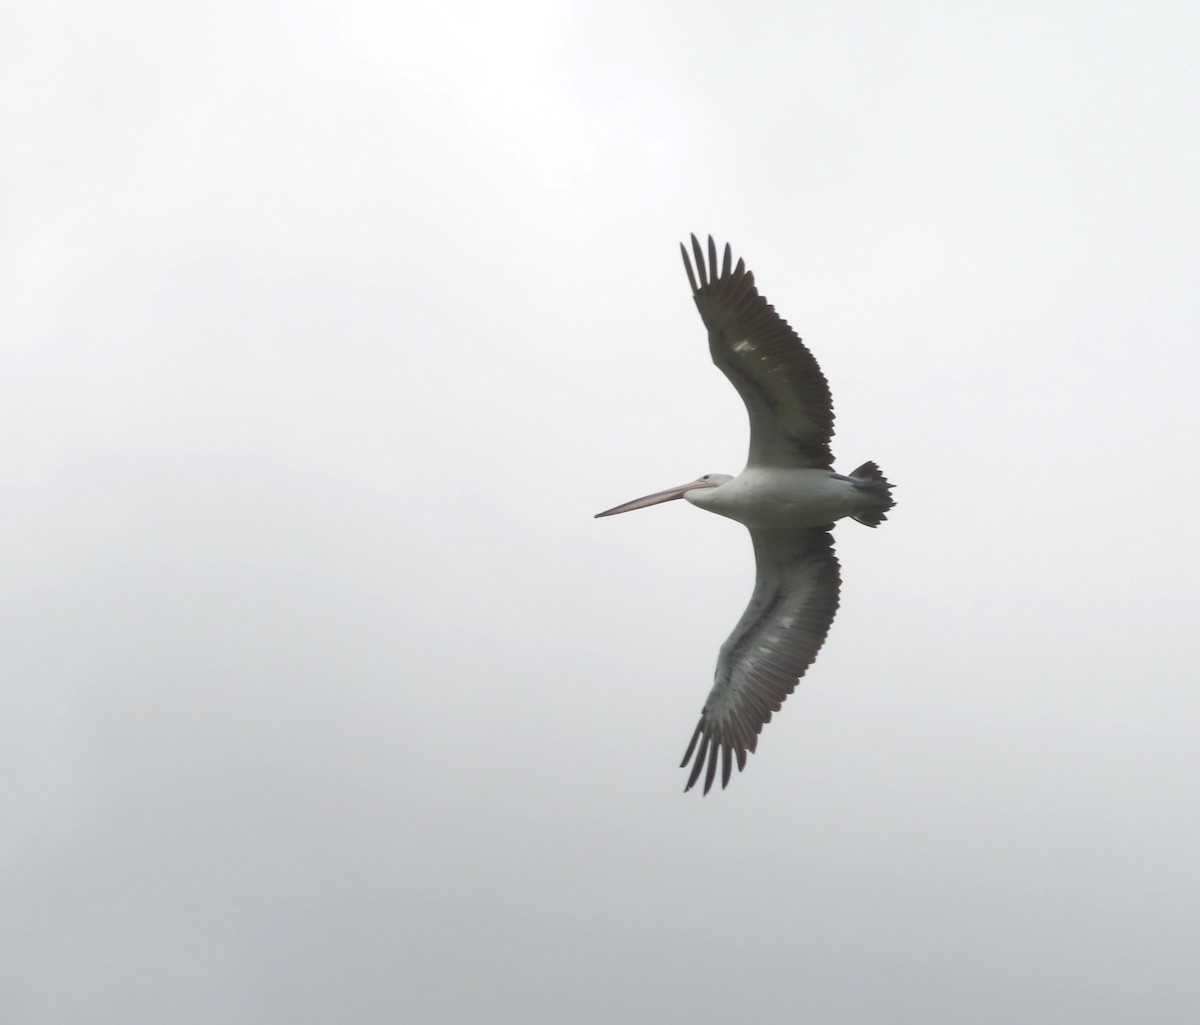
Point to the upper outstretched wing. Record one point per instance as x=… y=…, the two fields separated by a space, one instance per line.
x=786 y=395
x=795 y=599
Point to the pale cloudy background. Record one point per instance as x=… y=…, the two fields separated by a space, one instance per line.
x=326 y=329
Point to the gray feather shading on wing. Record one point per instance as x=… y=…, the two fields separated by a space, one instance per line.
x=795 y=599
x=786 y=395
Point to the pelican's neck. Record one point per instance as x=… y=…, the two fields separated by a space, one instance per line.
x=706 y=498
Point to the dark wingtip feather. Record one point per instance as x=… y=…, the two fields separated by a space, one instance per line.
x=706 y=752
x=706 y=270
x=687 y=263
x=714 y=750
x=692 y=745
x=697 y=765
x=700 y=269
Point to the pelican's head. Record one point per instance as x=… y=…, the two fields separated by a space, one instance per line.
x=709 y=480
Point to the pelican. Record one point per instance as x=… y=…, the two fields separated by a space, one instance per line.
x=788 y=497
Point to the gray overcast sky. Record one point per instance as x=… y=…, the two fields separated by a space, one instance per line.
x=327 y=328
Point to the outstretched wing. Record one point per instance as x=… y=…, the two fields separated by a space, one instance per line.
x=786 y=395
x=778 y=637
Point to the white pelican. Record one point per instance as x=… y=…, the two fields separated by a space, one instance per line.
x=788 y=497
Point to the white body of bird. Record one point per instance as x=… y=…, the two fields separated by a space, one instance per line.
x=773 y=498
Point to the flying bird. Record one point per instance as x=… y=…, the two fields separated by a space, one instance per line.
x=788 y=497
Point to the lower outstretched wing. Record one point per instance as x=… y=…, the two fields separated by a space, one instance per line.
x=795 y=599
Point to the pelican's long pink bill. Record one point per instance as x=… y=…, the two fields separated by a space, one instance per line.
x=659 y=496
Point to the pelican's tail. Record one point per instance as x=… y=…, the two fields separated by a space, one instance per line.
x=877 y=494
